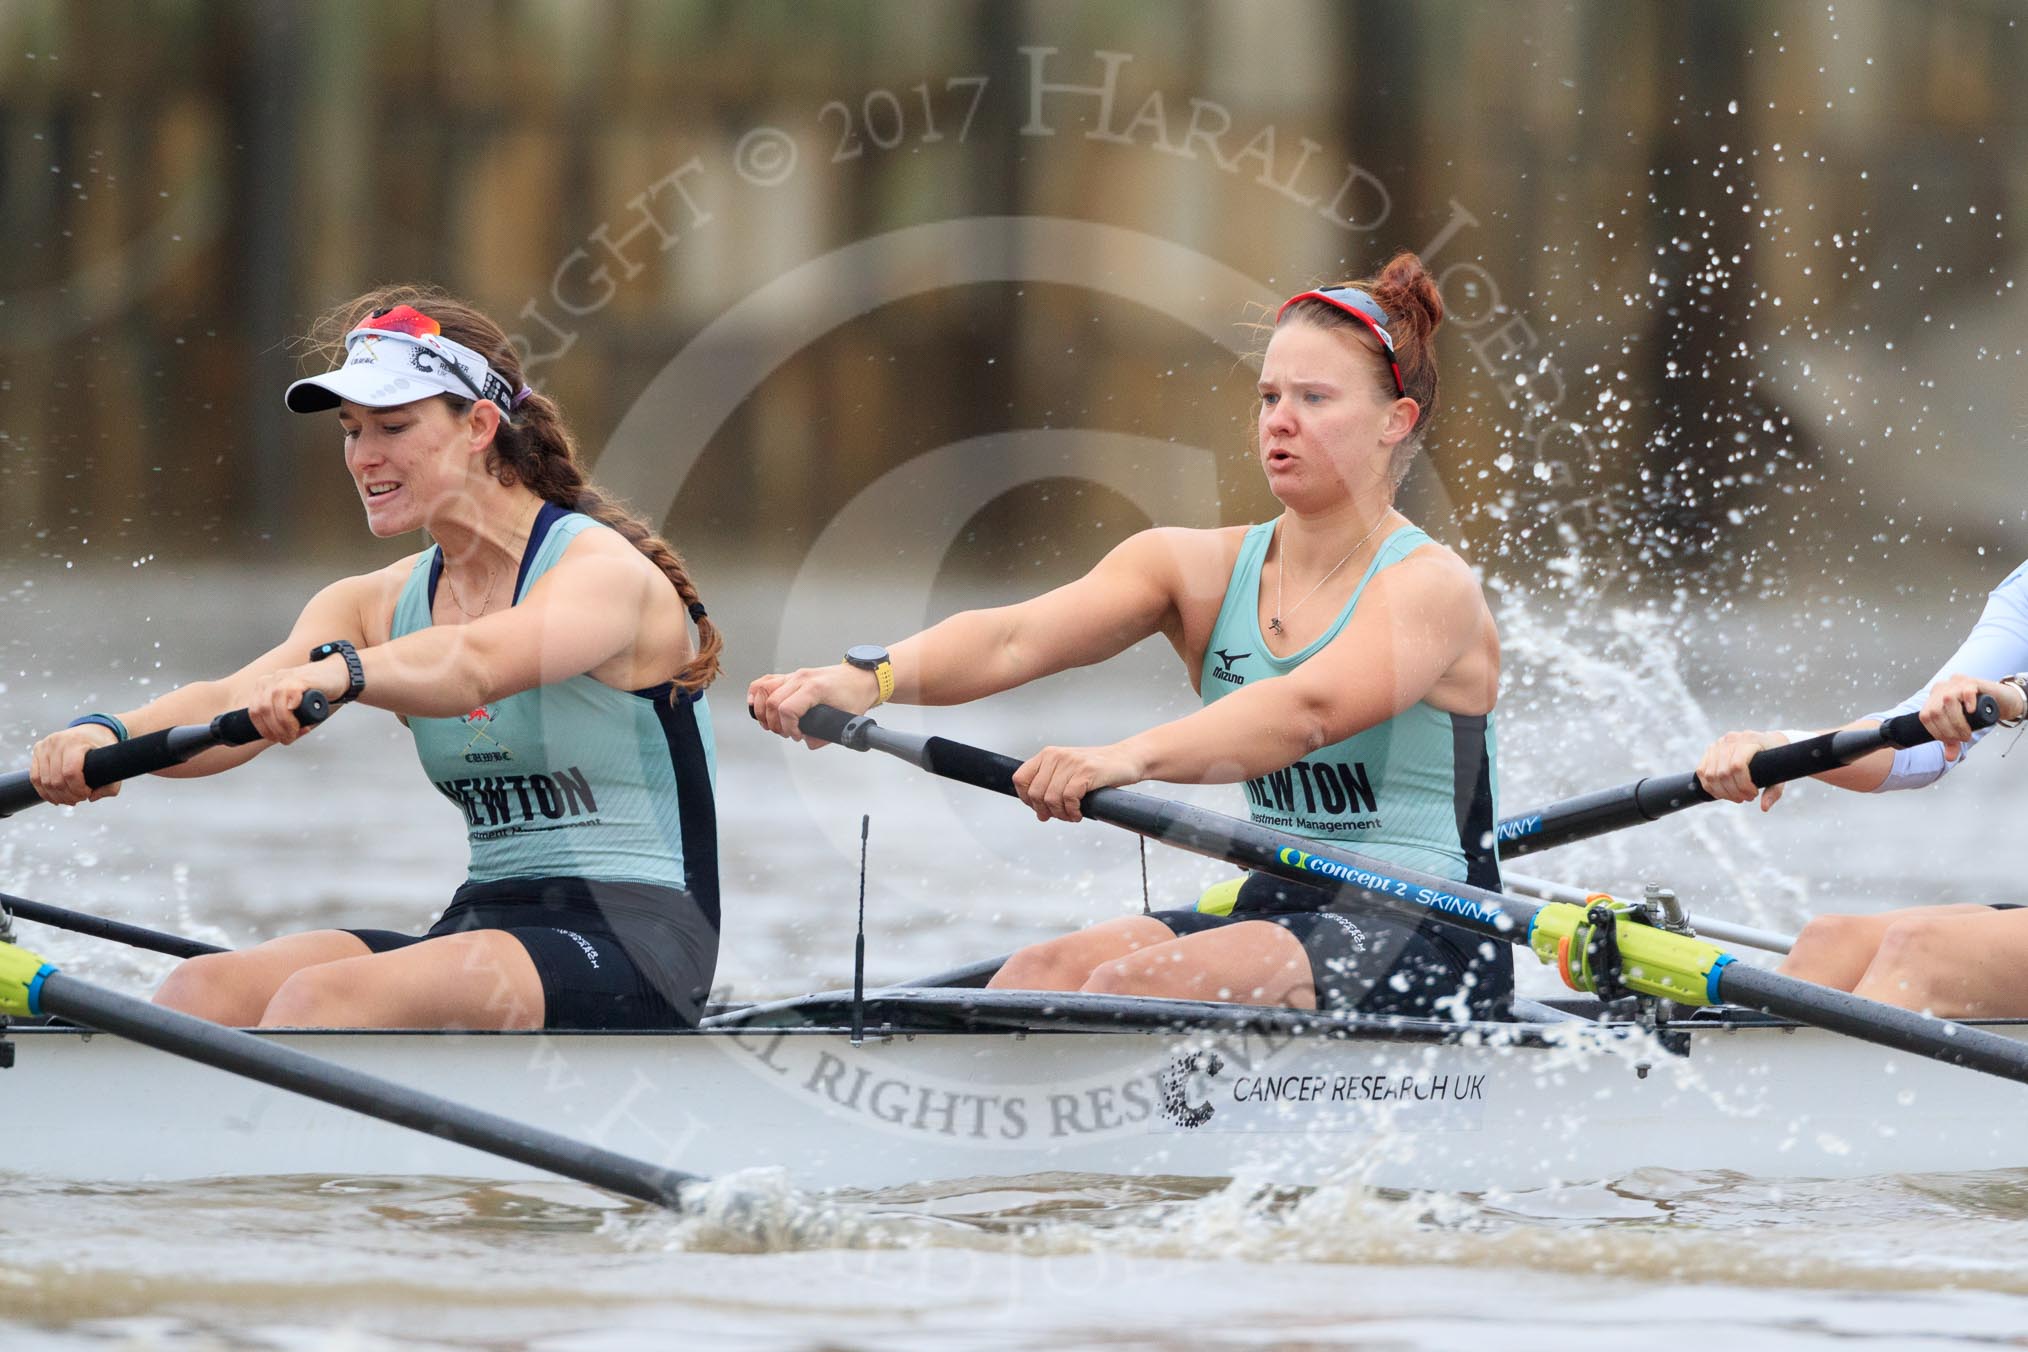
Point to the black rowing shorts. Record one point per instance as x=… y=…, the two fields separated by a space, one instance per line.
x=1369 y=961
x=610 y=954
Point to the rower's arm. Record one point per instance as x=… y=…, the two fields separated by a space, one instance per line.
x=1133 y=592
x=1996 y=647
x=1129 y=596
x=336 y=612
x=595 y=606
x=1416 y=622
x=1870 y=771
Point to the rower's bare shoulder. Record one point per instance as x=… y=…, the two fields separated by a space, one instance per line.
x=1193 y=560
x=1430 y=577
x=609 y=554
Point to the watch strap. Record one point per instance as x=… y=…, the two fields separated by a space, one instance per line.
x=2019 y=680
x=355 y=671
x=861 y=659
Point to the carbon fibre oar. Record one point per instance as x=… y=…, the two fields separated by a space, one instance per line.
x=1572 y=938
x=141 y=755
x=153 y=751
x=31 y=987
x=98 y=927
x=1645 y=800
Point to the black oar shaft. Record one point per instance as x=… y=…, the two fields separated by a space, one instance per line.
x=240 y=1053
x=1885 y=1025
x=1407 y=891
x=134 y=936
x=153 y=751
x=1645 y=800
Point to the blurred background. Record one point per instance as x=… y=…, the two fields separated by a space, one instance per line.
x=884 y=309
x=1731 y=284
x=887 y=309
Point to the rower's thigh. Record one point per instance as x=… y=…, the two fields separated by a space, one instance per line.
x=1066 y=962
x=233 y=988
x=1835 y=950
x=1958 y=962
x=481 y=979
x=1253 y=962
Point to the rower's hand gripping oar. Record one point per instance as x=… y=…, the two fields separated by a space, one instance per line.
x=1592 y=946
x=153 y=751
x=30 y=987
x=1645 y=800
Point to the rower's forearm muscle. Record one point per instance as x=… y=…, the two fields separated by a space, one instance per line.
x=977 y=653
x=197 y=702
x=1867 y=773
x=433 y=673
x=1247 y=734
x=1127 y=597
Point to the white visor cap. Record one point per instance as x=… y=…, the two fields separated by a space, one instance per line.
x=384 y=368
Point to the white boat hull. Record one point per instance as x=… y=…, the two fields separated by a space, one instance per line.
x=1582 y=1102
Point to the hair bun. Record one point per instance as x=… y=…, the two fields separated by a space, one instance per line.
x=1404 y=286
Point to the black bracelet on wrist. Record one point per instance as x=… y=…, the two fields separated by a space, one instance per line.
x=355 y=672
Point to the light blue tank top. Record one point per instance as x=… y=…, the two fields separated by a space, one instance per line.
x=574 y=779
x=1416 y=790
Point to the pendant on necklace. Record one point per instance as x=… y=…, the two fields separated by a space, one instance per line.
x=1274 y=624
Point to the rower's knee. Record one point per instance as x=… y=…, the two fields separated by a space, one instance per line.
x=215 y=986
x=1118 y=977
x=315 y=997
x=1831 y=950
x=1829 y=932
x=1914 y=953
x=1143 y=975
x=1054 y=965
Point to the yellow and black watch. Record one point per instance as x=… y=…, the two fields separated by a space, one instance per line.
x=872 y=657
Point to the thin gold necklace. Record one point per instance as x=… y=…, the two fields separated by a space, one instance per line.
x=1275 y=620
x=492 y=585
x=484 y=601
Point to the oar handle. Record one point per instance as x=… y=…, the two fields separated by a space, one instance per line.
x=1828 y=750
x=1645 y=800
x=938 y=755
x=153 y=751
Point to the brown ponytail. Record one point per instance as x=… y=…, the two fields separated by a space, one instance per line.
x=533 y=447
x=1406 y=291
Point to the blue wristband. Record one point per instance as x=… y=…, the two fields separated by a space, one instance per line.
x=119 y=729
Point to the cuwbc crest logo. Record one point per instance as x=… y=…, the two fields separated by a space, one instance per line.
x=480 y=722
x=1175 y=1081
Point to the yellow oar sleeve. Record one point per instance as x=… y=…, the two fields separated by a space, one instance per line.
x=1652 y=961
x=21 y=976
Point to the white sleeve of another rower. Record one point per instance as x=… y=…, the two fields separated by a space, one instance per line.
x=1996 y=647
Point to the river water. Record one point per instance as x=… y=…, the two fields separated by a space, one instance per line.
x=342 y=828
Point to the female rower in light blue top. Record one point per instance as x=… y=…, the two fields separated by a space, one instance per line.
x=540 y=653
x=1957 y=961
x=1347 y=667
